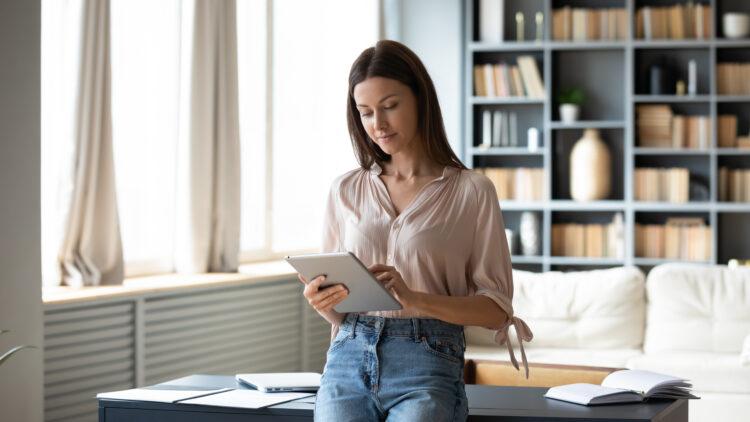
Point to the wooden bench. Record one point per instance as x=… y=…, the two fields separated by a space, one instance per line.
x=488 y=372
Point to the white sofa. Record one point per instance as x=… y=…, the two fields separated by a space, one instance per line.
x=685 y=320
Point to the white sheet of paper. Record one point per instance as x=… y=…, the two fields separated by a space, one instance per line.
x=245 y=399
x=163 y=396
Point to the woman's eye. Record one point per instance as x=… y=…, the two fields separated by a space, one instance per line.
x=363 y=115
x=388 y=107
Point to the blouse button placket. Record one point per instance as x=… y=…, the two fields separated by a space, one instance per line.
x=395 y=228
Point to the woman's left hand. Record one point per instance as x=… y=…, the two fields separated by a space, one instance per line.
x=392 y=280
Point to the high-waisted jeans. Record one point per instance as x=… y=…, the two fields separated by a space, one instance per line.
x=394 y=369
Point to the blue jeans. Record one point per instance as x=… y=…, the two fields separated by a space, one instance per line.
x=395 y=369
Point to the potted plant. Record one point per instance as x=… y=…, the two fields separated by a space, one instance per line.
x=12 y=351
x=570 y=101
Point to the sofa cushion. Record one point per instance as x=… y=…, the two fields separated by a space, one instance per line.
x=611 y=358
x=745 y=356
x=697 y=308
x=599 y=309
x=708 y=371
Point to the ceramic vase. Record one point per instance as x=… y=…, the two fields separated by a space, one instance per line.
x=530 y=235
x=590 y=168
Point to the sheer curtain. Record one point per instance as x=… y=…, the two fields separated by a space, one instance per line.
x=208 y=176
x=83 y=235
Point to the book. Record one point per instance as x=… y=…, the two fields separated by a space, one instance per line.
x=625 y=386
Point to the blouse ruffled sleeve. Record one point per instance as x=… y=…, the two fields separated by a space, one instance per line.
x=491 y=270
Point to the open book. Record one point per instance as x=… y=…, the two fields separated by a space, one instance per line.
x=623 y=387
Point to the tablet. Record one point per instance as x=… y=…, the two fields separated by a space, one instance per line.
x=365 y=291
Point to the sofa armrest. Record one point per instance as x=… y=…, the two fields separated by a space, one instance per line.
x=487 y=372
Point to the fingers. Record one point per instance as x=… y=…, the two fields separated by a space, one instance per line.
x=328 y=298
x=302 y=278
x=384 y=276
x=380 y=267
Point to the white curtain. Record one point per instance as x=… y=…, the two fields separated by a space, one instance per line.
x=91 y=248
x=208 y=178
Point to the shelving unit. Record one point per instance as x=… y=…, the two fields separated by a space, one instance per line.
x=611 y=73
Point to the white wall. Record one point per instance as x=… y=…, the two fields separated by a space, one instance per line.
x=434 y=30
x=20 y=272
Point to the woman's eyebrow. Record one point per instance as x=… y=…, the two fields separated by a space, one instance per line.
x=381 y=100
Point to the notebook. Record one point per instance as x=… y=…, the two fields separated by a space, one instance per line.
x=624 y=387
x=282 y=381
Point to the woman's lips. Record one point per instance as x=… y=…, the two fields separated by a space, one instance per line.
x=387 y=137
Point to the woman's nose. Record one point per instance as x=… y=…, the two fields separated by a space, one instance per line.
x=380 y=120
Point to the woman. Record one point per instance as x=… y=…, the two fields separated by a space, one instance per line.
x=431 y=231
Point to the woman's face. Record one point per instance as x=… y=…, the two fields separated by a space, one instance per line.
x=388 y=111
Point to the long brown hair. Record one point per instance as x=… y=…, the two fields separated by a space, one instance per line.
x=393 y=60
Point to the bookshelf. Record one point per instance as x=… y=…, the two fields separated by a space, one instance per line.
x=613 y=74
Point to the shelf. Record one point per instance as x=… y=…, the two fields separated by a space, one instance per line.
x=589 y=124
x=733 y=98
x=733 y=151
x=522 y=259
x=505 y=100
x=669 y=151
x=672 y=207
x=658 y=261
x=570 y=205
x=506 y=151
x=506 y=46
x=510 y=205
x=732 y=43
x=733 y=207
x=582 y=260
x=664 y=43
x=671 y=98
x=586 y=45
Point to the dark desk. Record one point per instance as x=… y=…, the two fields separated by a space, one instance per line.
x=486 y=403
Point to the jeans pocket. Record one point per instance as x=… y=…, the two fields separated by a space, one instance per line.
x=444 y=347
x=341 y=338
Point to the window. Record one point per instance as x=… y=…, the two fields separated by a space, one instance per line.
x=145 y=93
x=314 y=45
x=293 y=58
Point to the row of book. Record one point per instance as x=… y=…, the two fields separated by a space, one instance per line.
x=589 y=240
x=658 y=127
x=517 y=184
x=662 y=184
x=677 y=22
x=505 y=80
x=727 y=131
x=499 y=129
x=683 y=238
x=733 y=78
x=582 y=24
x=734 y=184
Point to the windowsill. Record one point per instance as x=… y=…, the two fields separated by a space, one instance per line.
x=137 y=286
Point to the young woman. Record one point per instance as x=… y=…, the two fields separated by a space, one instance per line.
x=431 y=231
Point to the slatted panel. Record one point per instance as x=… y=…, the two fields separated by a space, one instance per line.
x=88 y=349
x=239 y=329
x=318 y=338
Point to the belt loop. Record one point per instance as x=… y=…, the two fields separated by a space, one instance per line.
x=355 y=318
x=415 y=324
x=463 y=334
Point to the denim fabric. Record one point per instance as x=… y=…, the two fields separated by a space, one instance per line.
x=394 y=369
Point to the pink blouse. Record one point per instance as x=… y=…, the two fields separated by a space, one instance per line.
x=448 y=241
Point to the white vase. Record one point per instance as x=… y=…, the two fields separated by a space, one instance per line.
x=529 y=229
x=590 y=166
x=569 y=112
x=736 y=25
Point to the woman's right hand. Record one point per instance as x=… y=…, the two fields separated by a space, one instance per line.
x=323 y=300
